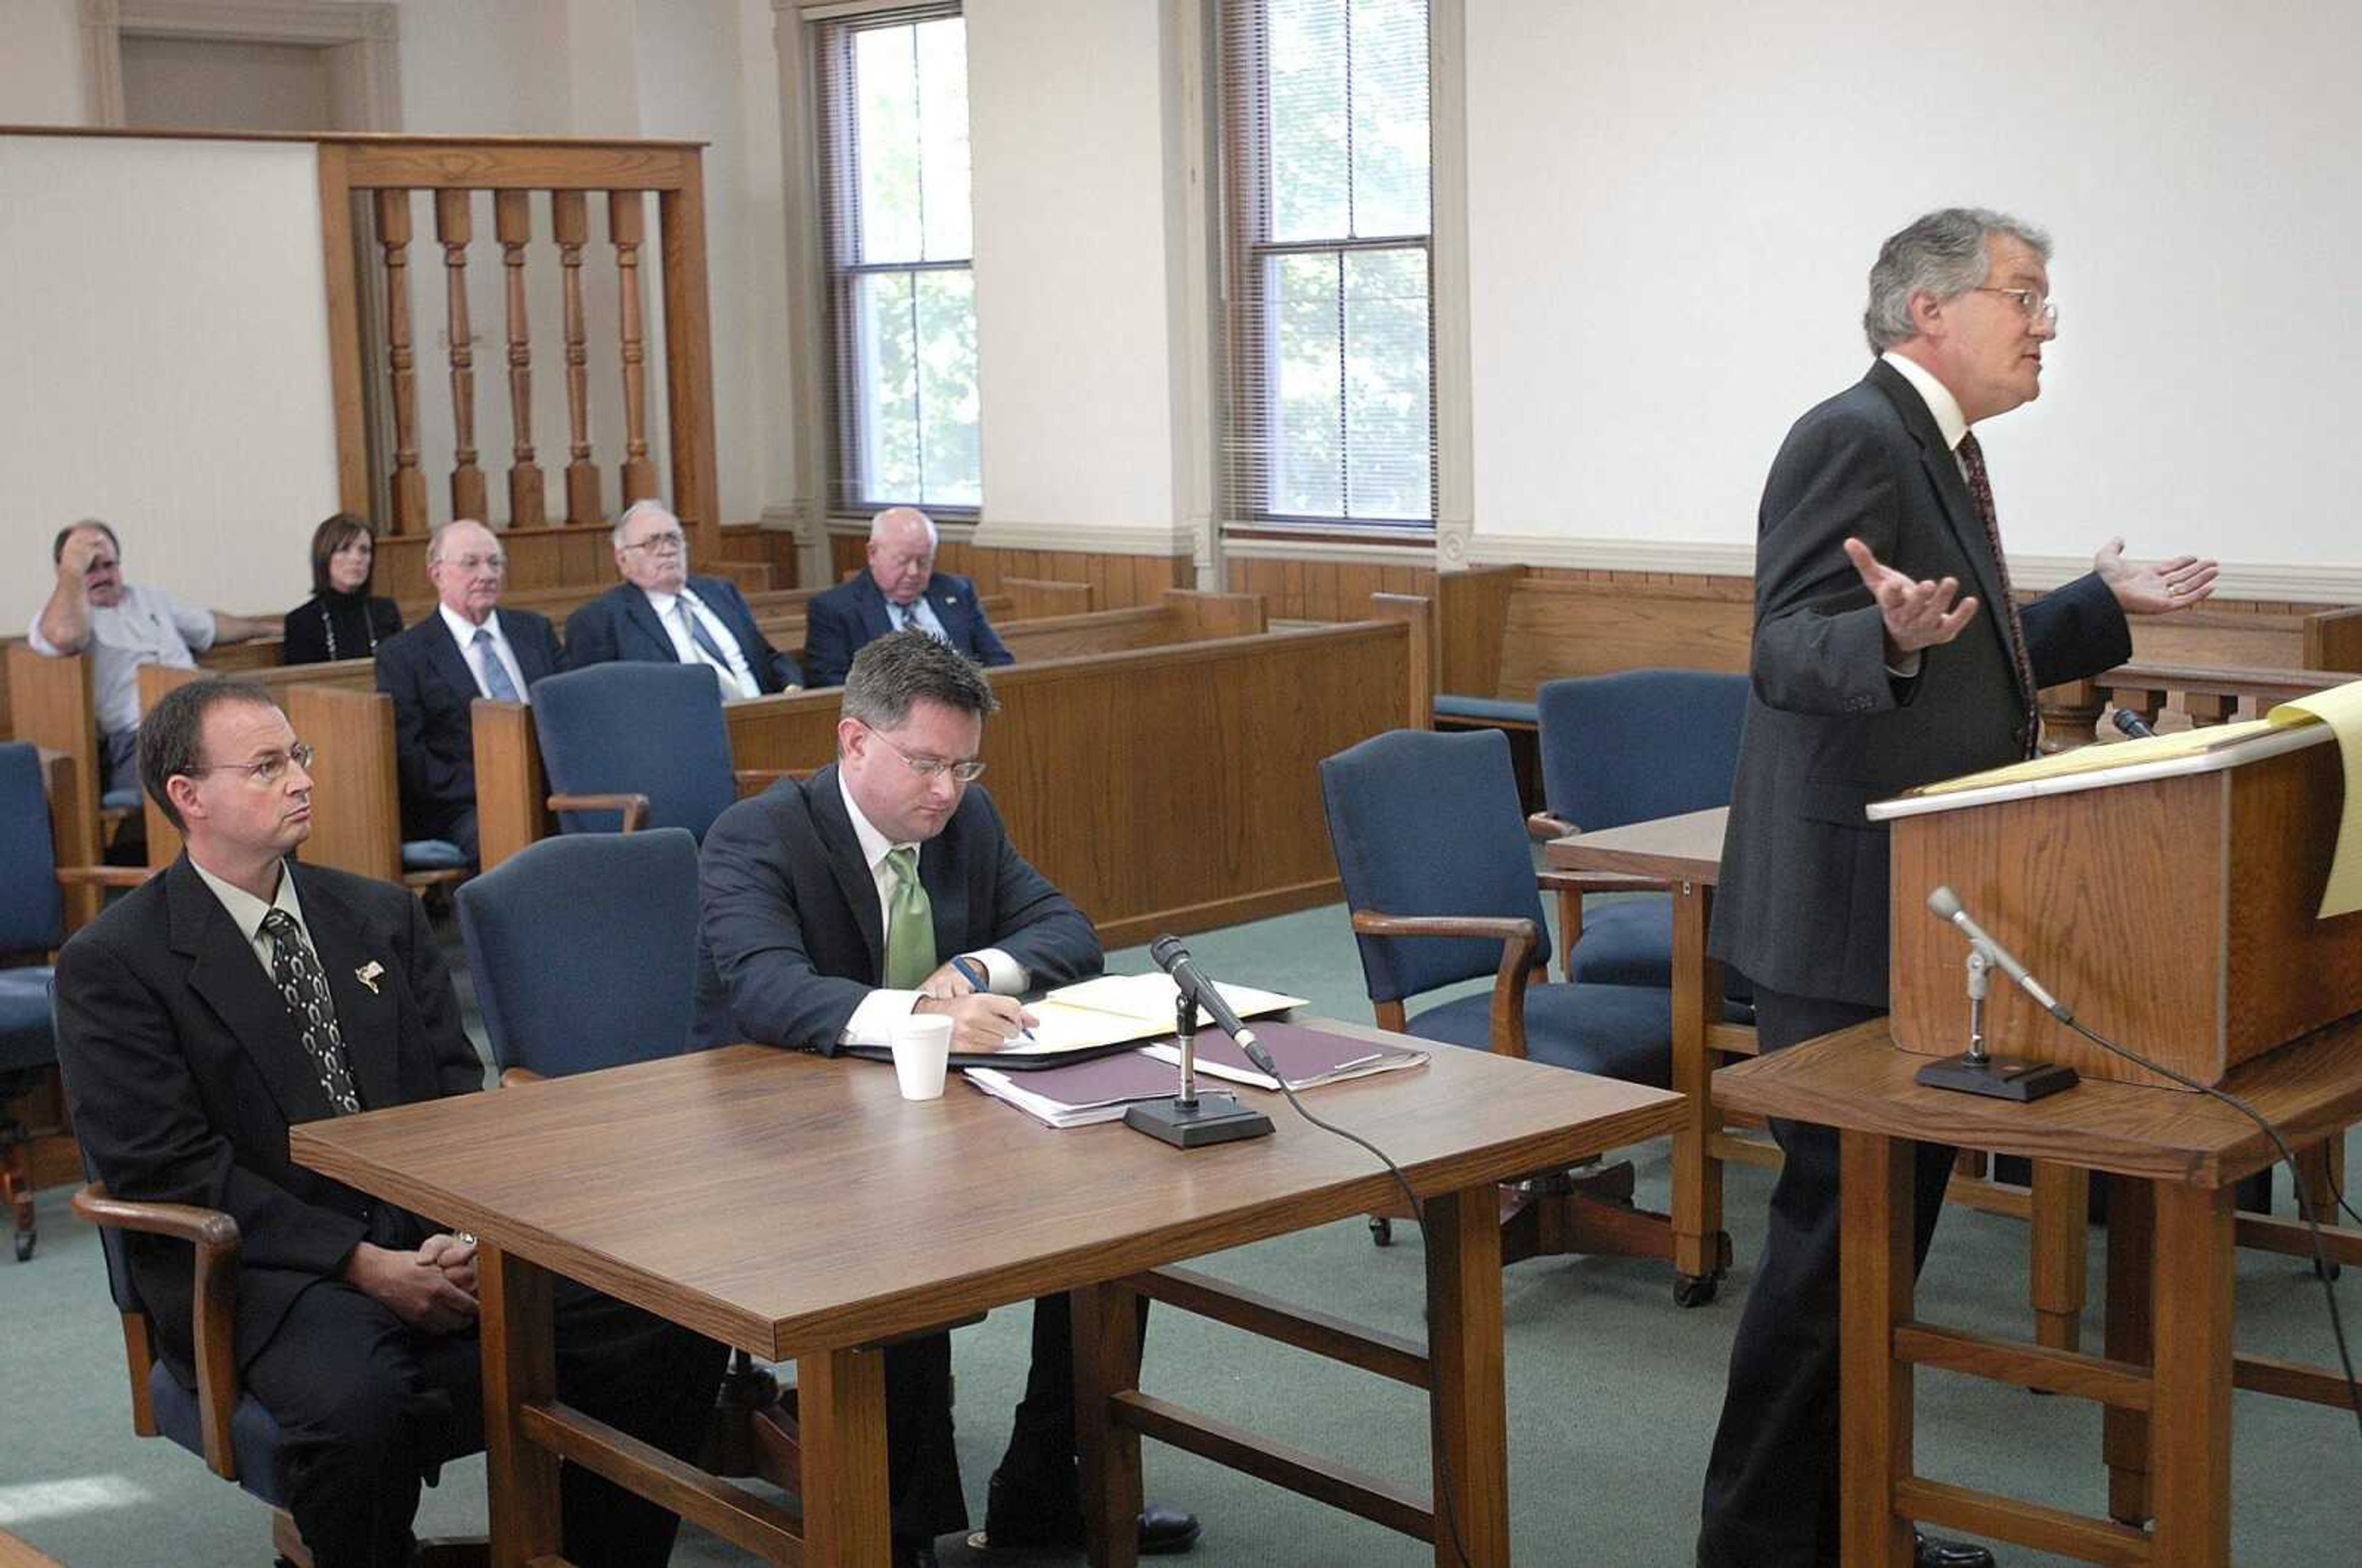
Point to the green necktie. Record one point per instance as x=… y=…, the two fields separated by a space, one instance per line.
x=909 y=925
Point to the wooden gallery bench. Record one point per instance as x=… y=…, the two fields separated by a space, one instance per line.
x=1162 y=786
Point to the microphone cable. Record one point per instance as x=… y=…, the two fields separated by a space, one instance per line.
x=2303 y=1205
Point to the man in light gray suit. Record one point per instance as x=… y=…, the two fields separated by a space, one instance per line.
x=1873 y=672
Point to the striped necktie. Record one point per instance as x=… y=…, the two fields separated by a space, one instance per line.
x=1972 y=460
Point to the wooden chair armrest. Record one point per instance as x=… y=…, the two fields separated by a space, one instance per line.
x=1519 y=940
x=106 y=876
x=1543 y=825
x=214 y=1316
x=512 y=1076
x=634 y=807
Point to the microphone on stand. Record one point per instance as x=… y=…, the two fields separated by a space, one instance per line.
x=2132 y=723
x=1975 y=1071
x=1189 y=1119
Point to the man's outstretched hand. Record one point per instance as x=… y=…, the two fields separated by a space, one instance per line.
x=1918 y=615
x=2158 y=588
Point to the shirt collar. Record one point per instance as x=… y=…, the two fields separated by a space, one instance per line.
x=875 y=845
x=1936 y=395
x=464 y=632
x=245 y=909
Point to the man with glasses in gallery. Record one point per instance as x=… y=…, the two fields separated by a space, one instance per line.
x=885 y=886
x=1888 y=652
x=661 y=614
x=239 y=992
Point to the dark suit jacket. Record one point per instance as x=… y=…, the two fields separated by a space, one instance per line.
x=852 y=613
x=622 y=624
x=790 y=941
x=1803 y=902
x=360 y=623
x=184 y=1070
x=433 y=687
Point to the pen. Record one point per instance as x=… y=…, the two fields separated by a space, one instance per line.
x=973 y=972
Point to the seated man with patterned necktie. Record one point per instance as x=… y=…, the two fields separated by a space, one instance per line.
x=901 y=589
x=881 y=887
x=660 y=614
x=436 y=669
x=238 y=993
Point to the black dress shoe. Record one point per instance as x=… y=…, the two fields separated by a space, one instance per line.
x=1015 y=1520
x=1932 y=1551
x=909 y=1551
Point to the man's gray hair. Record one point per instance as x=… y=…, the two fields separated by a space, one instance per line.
x=878 y=523
x=648 y=503
x=894 y=671
x=435 y=540
x=1944 y=254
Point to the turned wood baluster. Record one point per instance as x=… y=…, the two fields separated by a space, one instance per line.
x=569 y=219
x=454 y=226
x=408 y=484
x=626 y=228
x=2071 y=713
x=512 y=223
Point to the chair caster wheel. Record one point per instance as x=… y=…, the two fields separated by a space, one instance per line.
x=1382 y=1230
x=2328 y=1268
x=1696 y=1289
x=25 y=1240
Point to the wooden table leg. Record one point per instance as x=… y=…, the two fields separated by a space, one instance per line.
x=1107 y=1362
x=841 y=1410
x=1698 y=1173
x=517 y=1340
x=2123 y=1439
x=1875 y=1284
x=2190 y=1421
x=1468 y=1404
x=2060 y=1207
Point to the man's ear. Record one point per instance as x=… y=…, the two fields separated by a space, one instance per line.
x=1927 y=314
x=181 y=791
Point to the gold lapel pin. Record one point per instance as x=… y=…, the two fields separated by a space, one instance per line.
x=368 y=975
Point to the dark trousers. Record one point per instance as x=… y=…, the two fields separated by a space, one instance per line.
x=367 y=1407
x=1772 y=1481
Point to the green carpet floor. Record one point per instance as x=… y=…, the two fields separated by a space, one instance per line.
x=1613 y=1391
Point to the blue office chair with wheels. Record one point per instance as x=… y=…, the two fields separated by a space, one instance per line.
x=32 y=922
x=628 y=746
x=1440 y=878
x=1629 y=747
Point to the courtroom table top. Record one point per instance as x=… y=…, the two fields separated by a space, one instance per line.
x=1687 y=848
x=786 y=1204
x=1858 y=1079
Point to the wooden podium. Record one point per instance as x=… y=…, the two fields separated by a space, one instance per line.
x=2169 y=904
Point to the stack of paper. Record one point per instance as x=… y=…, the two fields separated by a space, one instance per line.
x=1083 y=1092
x=1117 y=1008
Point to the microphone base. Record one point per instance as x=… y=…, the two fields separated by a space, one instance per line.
x=1997 y=1077
x=1214 y=1118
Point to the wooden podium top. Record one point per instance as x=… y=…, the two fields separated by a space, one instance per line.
x=1858 y=1078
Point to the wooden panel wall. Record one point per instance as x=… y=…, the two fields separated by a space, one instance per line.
x=1325 y=590
x=774 y=547
x=538 y=557
x=1120 y=581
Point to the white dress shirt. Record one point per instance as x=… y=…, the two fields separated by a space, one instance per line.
x=738 y=680
x=247 y=911
x=873 y=1020
x=148 y=626
x=919 y=613
x=464 y=634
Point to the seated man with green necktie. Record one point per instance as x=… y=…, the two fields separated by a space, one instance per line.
x=882 y=886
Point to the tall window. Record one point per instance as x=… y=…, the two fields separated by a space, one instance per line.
x=895 y=231
x=1328 y=268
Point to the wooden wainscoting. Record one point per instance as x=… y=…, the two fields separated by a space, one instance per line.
x=1325 y=590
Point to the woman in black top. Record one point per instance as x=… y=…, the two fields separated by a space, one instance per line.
x=340 y=620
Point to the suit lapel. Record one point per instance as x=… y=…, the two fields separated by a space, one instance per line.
x=1943 y=471
x=846 y=863
x=948 y=601
x=226 y=973
x=369 y=1017
x=876 y=620
x=451 y=660
x=941 y=873
x=643 y=614
x=531 y=650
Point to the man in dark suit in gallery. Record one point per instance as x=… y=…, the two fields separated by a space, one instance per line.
x=436 y=669
x=241 y=992
x=660 y=614
x=901 y=589
x=881 y=887
x=1873 y=672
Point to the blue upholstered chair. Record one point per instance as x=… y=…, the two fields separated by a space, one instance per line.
x=1440 y=877
x=1629 y=747
x=630 y=745
x=32 y=920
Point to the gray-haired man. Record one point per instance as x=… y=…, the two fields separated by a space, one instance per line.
x=1888 y=652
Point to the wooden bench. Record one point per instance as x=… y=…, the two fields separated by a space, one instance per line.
x=280 y=679
x=1170 y=786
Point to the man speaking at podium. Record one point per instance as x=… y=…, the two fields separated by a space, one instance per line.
x=1888 y=652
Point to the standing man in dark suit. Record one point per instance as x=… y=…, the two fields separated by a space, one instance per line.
x=1873 y=672
x=239 y=993
x=881 y=887
x=901 y=589
x=436 y=669
x=660 y=614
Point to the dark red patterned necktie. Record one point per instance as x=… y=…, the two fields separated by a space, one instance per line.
x=1972 y=459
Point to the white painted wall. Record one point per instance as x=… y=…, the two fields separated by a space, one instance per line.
x=1073 y=346
x=1672 y=211
x=178 y=389
x=40 y=64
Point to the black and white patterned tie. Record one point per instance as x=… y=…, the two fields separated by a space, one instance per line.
x=305 y=987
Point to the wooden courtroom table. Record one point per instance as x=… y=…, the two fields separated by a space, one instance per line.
x=2171 y=1159
x=798 y=1208
x=1685 y=854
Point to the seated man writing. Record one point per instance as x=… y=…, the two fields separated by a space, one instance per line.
x=885 y=886
x=241 y=992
